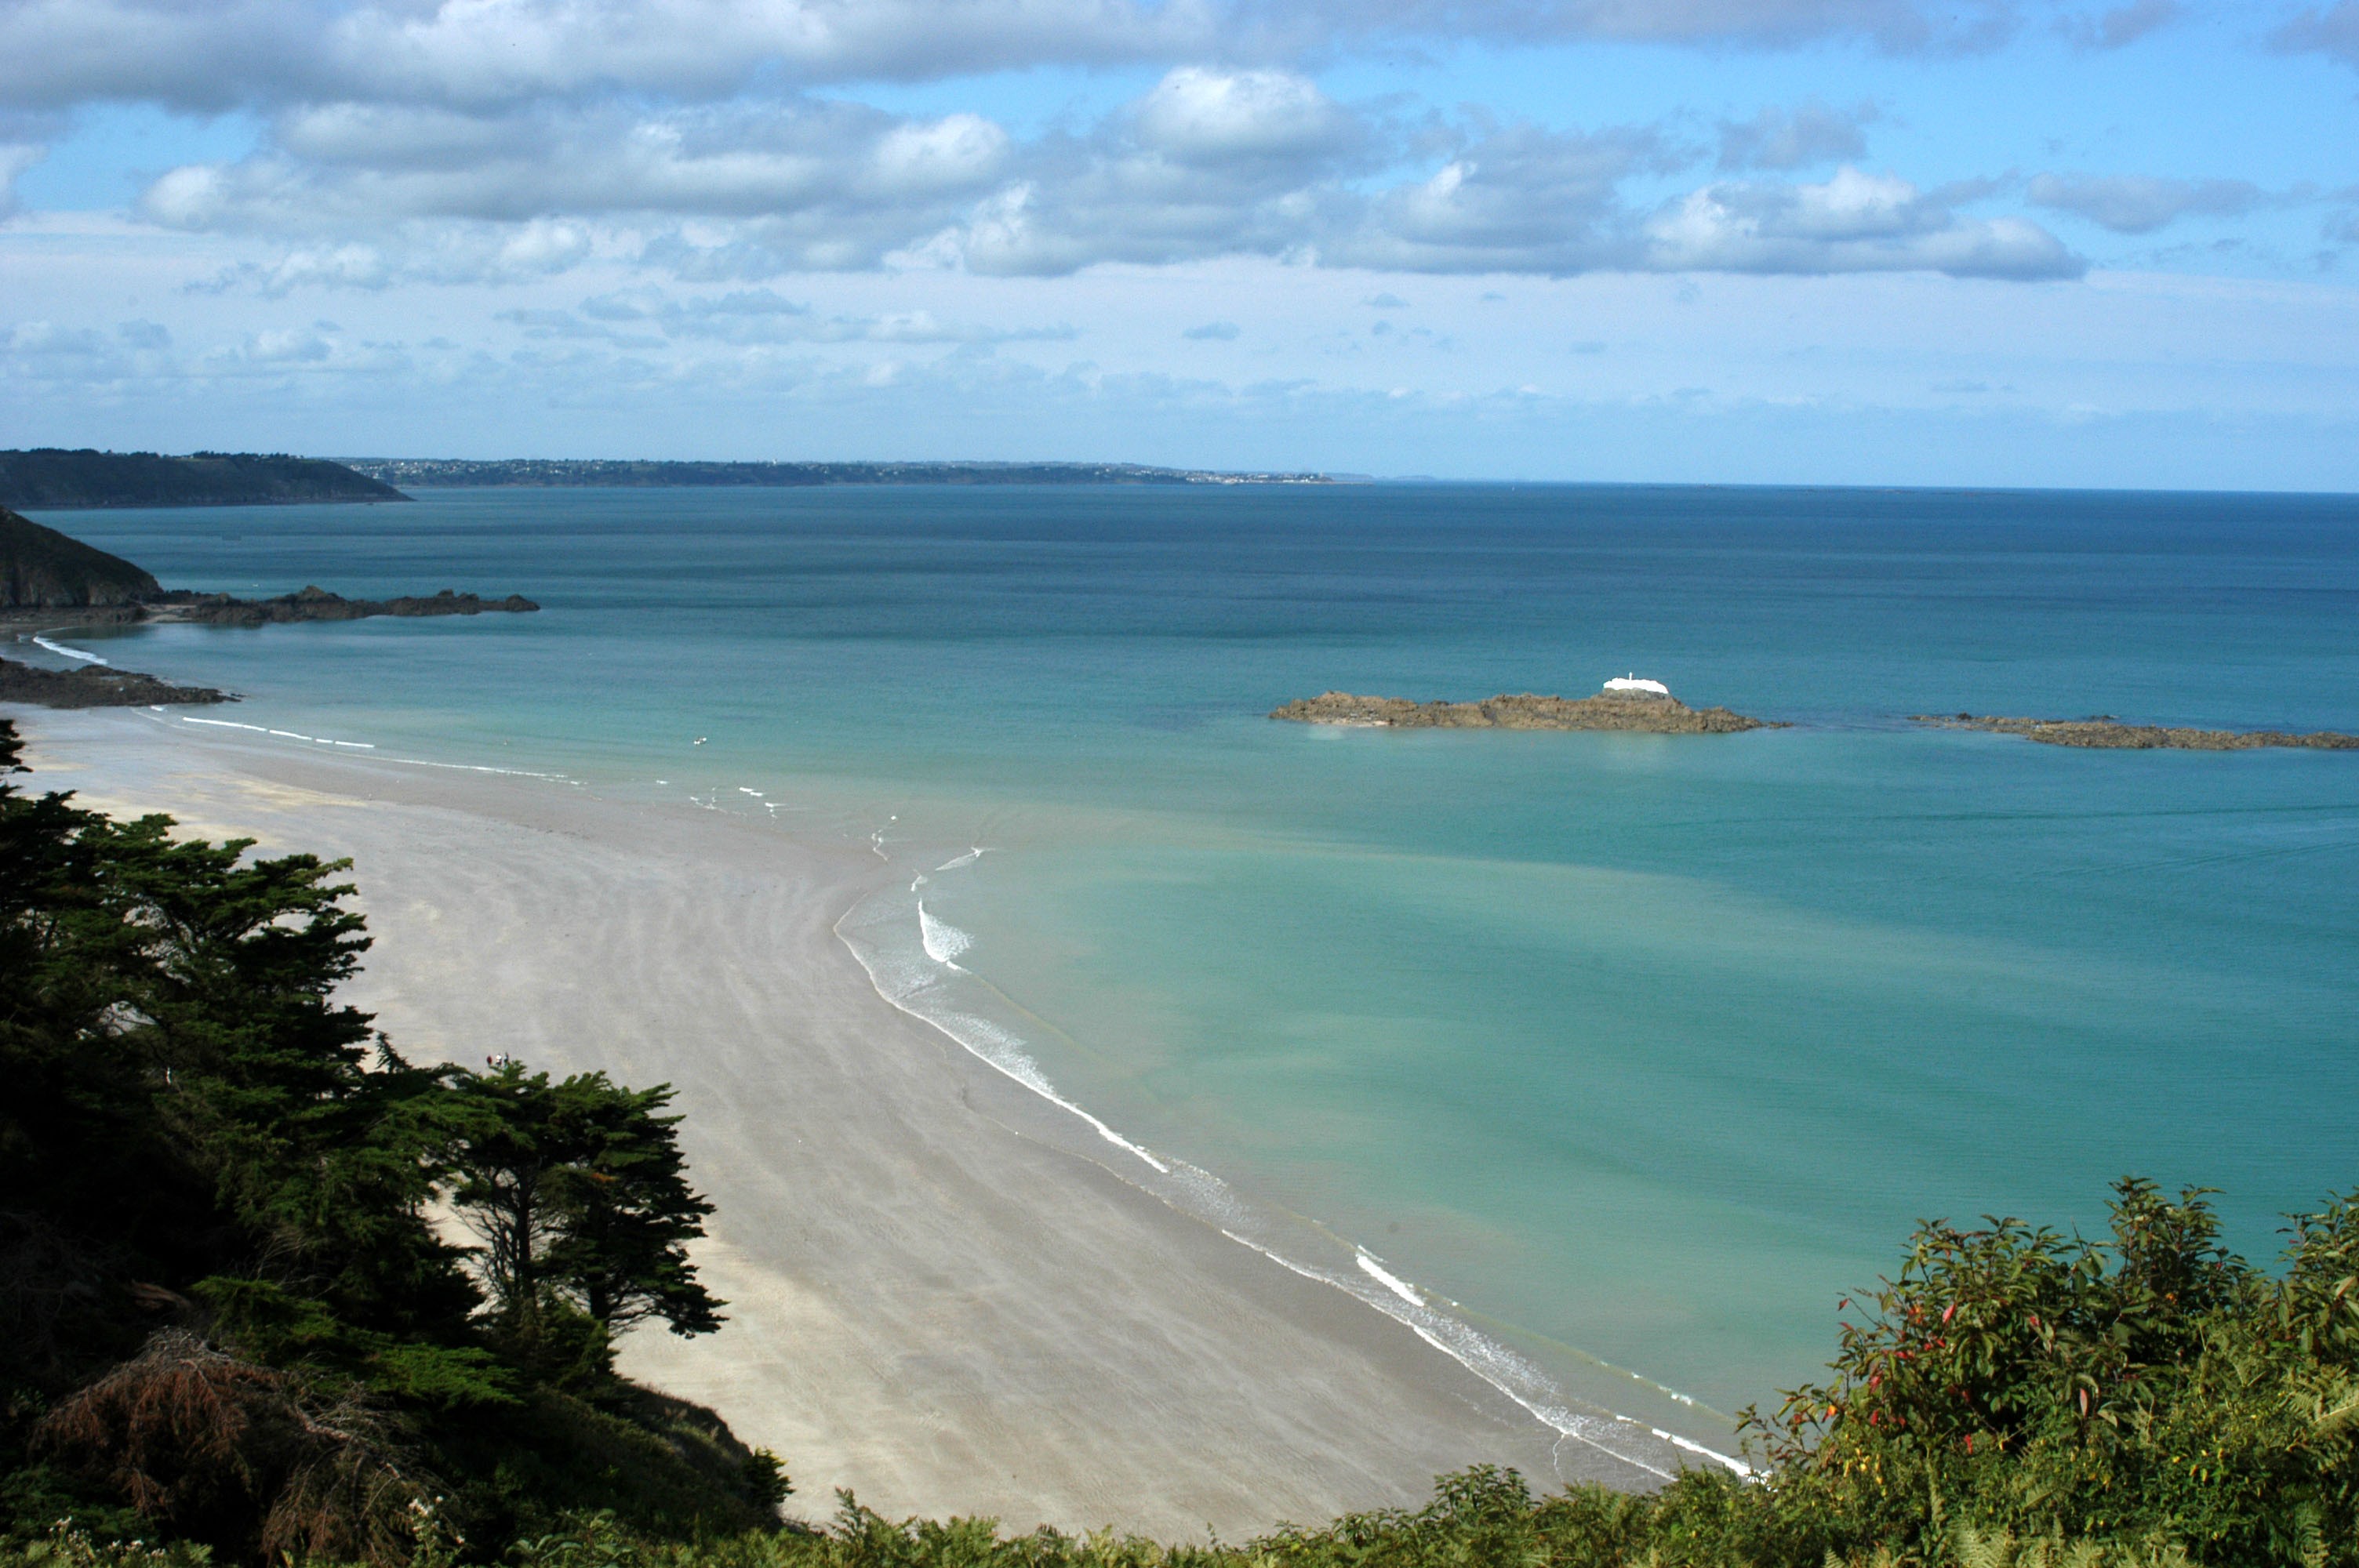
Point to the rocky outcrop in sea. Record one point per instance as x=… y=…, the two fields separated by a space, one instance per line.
x=1662 y=715
x=319 y=604
x=2105 y=733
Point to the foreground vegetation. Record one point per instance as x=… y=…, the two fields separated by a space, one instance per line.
x=225 y=1315
x=228 y=1331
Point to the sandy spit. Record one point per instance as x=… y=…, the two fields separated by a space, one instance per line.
x=929 y=1304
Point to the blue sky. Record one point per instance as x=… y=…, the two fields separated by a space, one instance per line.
x=1979 y=242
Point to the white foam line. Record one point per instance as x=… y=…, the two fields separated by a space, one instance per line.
x=1399 y=1300
x=1393 y=1282
x=478 y=768
x=286 y=734
x=1739 y=1466
x=371 y=746
x=968 y=858
x=877 y=842
x=1036 y=1083
x=59 y=648
x=1564 y=1423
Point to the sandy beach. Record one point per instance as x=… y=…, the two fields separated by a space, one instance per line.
x=931 y=1305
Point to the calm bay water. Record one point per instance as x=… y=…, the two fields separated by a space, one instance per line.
x=1644 y=1048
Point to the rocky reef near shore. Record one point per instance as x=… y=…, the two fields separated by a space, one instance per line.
x=1649 y=715
x=96 y=686
x=319 y=604
x=2105 y=732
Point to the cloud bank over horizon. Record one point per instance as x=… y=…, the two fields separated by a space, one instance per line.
x=669 y=186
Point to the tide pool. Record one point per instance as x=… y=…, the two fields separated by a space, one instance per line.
x=1641 y=1049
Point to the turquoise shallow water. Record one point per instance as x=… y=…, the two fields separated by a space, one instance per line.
x=1645 y=1047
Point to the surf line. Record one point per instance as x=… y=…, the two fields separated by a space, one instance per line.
x=1035 y=1081
x=63 y=651
x=371 y=746
x=283 y=734
x=1386 y=1293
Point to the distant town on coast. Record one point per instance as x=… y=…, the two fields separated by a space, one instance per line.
x=56 y=478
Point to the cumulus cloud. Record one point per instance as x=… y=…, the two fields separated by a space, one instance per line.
x=1199 y=116
x=480 y=54
x=1203 y=164
x=2136 y=204
x=1793 y=138
x=329 y=168
x=1853 y=223
x=1521 y=200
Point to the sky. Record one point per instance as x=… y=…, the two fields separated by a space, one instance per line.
x=2023 y=242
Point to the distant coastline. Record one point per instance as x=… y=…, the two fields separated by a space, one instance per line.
x=587 y=472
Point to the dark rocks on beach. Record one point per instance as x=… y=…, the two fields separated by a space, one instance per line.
x=2105 y=733
x=319 y=604
x=1650 y=714
x=95 y=685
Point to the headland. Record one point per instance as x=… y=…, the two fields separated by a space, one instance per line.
x=54 y=478
x=52 y=583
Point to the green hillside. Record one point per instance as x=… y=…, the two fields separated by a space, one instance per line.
x=50 y=478
x=41 y=568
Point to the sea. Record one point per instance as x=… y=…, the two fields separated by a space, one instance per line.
x=1608 y=1062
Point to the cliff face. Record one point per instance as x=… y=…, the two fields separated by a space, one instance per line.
x=51 y=477
x=41 y=568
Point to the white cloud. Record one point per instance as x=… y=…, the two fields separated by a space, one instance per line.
x=2133 y=204
x=1203 y=164
x=1522 y=199
x=1196 y=115
x=209 y=55
x=1853 y=223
